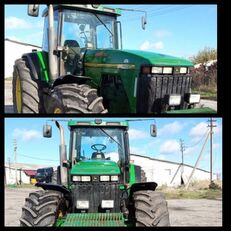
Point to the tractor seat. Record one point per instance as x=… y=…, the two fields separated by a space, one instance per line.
x=97 y=156
x=73 y=56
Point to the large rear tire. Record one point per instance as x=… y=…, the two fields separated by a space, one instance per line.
x=25 y=90
x=150 y=208
x=42 y=208
x=74 y=98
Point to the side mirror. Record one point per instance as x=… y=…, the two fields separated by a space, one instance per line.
x=153 y=130
x=47 y=131
x=143 y=22
x=33 y=10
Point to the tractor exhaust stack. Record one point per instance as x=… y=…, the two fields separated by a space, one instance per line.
x=63 y=155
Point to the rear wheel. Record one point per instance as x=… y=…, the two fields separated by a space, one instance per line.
x=25 y=90
x=74 y=98
x=43 y=208
x=150 y=208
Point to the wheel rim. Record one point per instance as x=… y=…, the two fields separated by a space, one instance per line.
x=18 y=95
x=57 y=110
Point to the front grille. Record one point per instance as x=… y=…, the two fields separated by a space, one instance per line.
x=152 y=89
x=95 y=192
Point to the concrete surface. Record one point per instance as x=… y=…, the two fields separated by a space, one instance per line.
x=9 y=102
x=183 y=212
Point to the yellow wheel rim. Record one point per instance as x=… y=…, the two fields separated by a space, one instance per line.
x=18 y=95
x=57 y=111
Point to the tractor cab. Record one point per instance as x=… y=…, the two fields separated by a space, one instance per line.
x=78 y=28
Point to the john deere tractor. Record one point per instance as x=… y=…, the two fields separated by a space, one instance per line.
x=82 y=68
x=97 y=185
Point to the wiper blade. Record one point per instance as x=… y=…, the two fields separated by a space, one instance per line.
x=110 y=136
x=103 y=24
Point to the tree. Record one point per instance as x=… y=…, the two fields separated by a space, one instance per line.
x=204 y=55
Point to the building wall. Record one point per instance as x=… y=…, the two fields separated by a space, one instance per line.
x=13 y=51
x=10 y=176
x=162 y=172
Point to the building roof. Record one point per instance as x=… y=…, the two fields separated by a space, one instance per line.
x=30 y=172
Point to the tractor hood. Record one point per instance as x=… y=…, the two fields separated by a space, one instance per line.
x=131 y=59
x=95 y=167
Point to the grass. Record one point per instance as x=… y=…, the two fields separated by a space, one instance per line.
x=196 y=190
x=20 y=186
x=206 y=92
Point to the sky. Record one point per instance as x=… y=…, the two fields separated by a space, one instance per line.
x=179 y=30
x=34 y=149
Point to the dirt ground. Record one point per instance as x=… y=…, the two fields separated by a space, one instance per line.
x=183 y=212
x=9 y=102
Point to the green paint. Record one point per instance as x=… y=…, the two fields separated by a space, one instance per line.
x=203 y=110
x=44 y=65
x=79 y=123
x=94 y=220
x=132 y=177
x=95 y=167
x=125 y=64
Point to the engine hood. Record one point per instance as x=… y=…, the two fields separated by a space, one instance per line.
x=131 y=58
x=95 y=167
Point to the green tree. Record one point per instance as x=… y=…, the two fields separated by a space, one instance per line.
x=204 y=55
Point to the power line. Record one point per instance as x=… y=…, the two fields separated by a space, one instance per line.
x=196 y=143
x=35 y=158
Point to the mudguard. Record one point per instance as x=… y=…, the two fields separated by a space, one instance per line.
x=55 y=187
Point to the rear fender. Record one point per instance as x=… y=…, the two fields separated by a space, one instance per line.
x=143 y=186
x=70 y=79
x=55 y=187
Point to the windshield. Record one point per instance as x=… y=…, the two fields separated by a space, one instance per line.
x=88 y=29
x=98 y=144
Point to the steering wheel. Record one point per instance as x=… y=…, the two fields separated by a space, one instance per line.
x=97 y=148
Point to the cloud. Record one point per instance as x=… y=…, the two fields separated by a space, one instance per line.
x=138 y=151
x=198 y=130
x=26 y=135
x=162 y=33
x=170 y=147
x=171 y=128
x=16 y=23
x=152 y=46
x=137 y=134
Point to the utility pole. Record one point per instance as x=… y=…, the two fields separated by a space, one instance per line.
x=15 y=160
x=211 y=125
x=182 y=149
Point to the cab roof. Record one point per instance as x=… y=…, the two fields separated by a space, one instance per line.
x=88 y=7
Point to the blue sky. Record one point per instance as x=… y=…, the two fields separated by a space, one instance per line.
x=33 y=148
x=179 y=30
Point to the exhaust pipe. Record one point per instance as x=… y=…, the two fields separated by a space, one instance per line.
x=63 y=155
x=51 y=42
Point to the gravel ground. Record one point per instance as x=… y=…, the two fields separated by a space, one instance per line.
x=9 y=103
x=183 y=212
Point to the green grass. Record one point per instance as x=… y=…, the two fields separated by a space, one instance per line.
x=206 y=93
x=20 y=186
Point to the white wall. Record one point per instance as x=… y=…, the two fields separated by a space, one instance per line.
x=162 y=172
x=14 y=51
x=11 y=176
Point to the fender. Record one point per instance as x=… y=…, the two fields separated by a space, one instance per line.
x=55 y=187
x=70 y=79
x=143 y=186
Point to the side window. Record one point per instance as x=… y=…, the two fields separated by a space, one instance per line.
x=45 y=44
x=104 y=38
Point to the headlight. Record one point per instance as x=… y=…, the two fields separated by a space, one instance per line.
x=183 y=70
x=76 y=178
x=107 y=204
x=104 y=178
x=82 y=204
x=167 y=70
x=114 y=178
x=157 y=70
x=192 y=98
x=85 y=178
x=173 y=100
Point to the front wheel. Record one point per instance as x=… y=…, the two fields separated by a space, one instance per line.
x=150 y=209
x=43 y=208
x=74 y=98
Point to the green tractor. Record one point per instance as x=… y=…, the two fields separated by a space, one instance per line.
x=82 y=68
x=97 y=185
